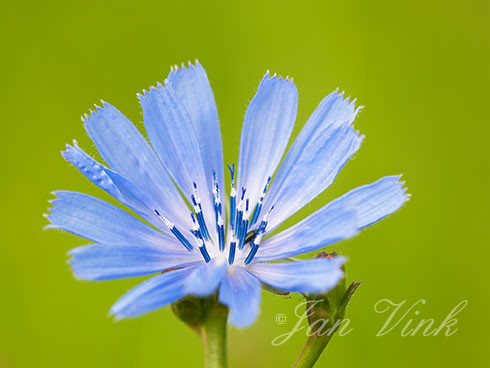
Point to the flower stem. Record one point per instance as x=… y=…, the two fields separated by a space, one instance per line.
x=312 y=350
x=213 y=334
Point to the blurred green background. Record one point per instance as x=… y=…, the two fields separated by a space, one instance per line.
x=421 y=68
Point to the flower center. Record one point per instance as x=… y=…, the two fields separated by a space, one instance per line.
x=241 y=240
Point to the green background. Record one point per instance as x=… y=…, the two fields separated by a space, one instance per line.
x=421 y=68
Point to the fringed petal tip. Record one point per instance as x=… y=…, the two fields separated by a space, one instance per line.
x=49 y=226
x=115 y=315
x=97 y=110
x=377 y=200
x=146 y=92
x=73 y=251
x=149 y=92
x=70 y=151
x=404 y=188
x=70 y=262
x=400 y=184
x=277 y=77
x=68 y=147
x=52 y=205
x=118 y=315
x=345 y=106
x=175 y=68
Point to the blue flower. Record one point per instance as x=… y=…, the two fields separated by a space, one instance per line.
x=195 y=252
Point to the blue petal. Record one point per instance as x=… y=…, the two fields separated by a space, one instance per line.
x=174 y=138
x=240 y=291
x=137 y=199
x=152 y=294
x=328 y=225
x=375 y=201
x=114 y=184
x=93 y=170
x=204 y=280
x=168 y=287
x=101 y=222
x=128 y=153
x=266 y=129
x=315 y=158
x=192 y=87
x=309 y=276
x=108 y=262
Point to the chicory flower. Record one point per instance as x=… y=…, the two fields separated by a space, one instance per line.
x=201 y=240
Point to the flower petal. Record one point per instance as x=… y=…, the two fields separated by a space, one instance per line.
x=309 y=276
x=321 y=149
x=120 y=188
x=375 y=201
x=192 y=87
x=153 y=293
x=172 y=134
x=128 y=153
x=240 y=291
x=328 y=225
x=93 y=170
x=339 y=219
x=267 y=126
x=168 y=287
x=107 y=262
x=204 y=280
x=101 y=222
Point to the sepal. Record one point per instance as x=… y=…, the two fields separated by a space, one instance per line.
x=190 y=310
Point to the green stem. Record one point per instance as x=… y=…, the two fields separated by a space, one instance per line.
x=213 y=334
x=312 y=350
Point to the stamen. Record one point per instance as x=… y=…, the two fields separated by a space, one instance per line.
x=221 y=233
x=239 y=218
x=195 y=227
x=232 y=172
x=231 y=257
x=243 y=227
x=199 y=240
x=265 y=221
x=232 y=196
x=243 y=234
x=196 y=200
x=258 y=237
x=220 y=224
x=175 y=231
x=205 y=254
x=255 y=248
x=258 y=207
x=216 y=196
